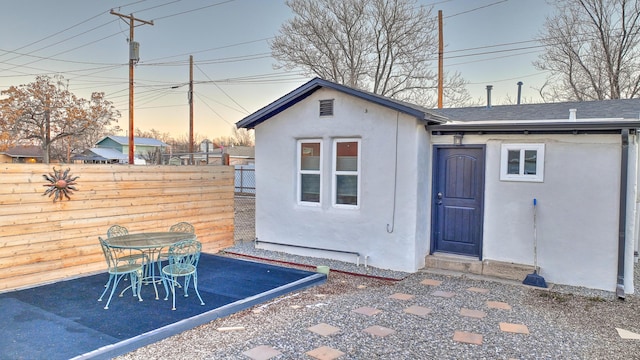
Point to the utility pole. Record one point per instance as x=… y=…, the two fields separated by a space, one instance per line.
x=440 y=60
x=132 y=61
x=191 y=108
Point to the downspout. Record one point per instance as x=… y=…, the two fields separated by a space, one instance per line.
x=622 y=224
x=391 y=226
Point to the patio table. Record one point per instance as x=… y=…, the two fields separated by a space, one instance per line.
x=151 y=243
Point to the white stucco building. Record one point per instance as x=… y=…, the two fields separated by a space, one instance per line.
x=349 y=175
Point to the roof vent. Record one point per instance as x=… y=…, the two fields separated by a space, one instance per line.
x=326 y=107
x=572 y=114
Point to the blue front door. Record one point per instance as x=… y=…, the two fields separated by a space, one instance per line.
x=458 y=189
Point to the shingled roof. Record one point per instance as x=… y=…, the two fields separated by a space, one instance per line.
x=23 y=151
x=605 y=109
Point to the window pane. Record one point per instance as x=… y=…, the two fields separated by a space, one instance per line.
x=530 y=160
x=347 y=156
x=347 y=189
x=513 y=164
x=310 y=156
x=310 y=187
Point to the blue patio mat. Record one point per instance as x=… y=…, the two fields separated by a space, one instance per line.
x=64 y=320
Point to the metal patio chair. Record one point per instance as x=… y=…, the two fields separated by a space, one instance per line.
x=118 y=269
x=117 y=230
x=183 y=262
x=131 y=257
x=182 y=226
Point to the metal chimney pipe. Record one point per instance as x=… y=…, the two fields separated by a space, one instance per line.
x=489 y=87
x=519 y=91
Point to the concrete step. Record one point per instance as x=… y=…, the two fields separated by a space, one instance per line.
x=470 y=265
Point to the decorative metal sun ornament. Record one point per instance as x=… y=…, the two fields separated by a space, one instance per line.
x=60 y=184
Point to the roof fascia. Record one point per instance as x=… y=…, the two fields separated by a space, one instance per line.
x=540 y=127
x=310 y=87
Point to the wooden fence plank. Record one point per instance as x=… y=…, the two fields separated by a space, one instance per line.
x=42 y=241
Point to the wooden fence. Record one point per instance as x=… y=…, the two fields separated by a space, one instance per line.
x=42 y=241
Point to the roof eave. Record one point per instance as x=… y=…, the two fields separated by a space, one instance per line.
x=542 y=127
x=310 y=87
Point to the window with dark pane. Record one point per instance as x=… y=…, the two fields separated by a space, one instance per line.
x=346 y=170
x=530 y=162
x=513 y=162
x=522 y=162
x=309 y=171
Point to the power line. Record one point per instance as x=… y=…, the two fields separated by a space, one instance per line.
x=212 y=110
x=213 y=49
x=476 y=9
x=192 y=10
x=221 y=90
x=54 y=34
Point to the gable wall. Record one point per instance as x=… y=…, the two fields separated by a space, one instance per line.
x=109 y=143
x=279 y=218
x=577 y=208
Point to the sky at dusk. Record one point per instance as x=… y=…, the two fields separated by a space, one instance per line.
x=488 y=41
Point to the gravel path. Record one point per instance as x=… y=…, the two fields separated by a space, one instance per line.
x=564 y=323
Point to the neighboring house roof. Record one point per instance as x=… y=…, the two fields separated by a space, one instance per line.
x=102 y=154
x=241 y=151
x=21 y=151
x=140 y=141
x=311 y=86
x=233 y=151
x=604 y=115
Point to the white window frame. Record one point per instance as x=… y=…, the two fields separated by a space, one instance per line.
x=521 y=176
x=301 y=172
x=335 y=173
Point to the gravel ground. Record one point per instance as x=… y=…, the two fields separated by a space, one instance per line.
x=563 y=323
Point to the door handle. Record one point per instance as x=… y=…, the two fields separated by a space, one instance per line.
x=439 y=195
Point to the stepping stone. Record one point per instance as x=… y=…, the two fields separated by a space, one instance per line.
x=324 y=329
x=514 y=328
x=430 y=282
x=418 y=310
x=478 y=290
x=626 y=334
x=467 y=337
x=325 y=353
x=262 y=352
x=498 y=305
x=444 y=294
x=365 y=310
x=362 y=286
x=380 y=331
x=401 y=296
x=472 y=313
x=230 y=328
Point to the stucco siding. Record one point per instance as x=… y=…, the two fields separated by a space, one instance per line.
x=577 y=208
x=387 y=241
x=423 y=196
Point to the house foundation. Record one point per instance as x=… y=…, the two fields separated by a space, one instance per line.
x=464 y=264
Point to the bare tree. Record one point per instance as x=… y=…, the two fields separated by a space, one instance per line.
x=243 y=137
x=7 y=133
x=154 y=134
x=592 y=50
x=44 y=111
x=383 y=46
